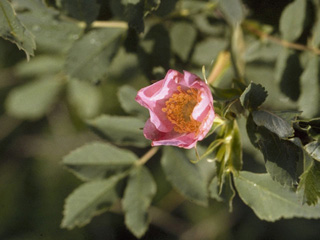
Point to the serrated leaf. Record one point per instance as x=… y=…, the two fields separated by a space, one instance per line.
x=310 y=183
x=271 y=201
x=82 y=10
x=253 y=96
x=87 y=201
x=138 y=195
x=85 y=97
x=89 y=57
x=126 y=97
x=232 y=10
x=273 y=123
x=33 y=100
x=13 y=30
x=309 y=100
x=98 y=160
x=125 y=131
x=184 y=175
x=52 y=34
x=292 y=20
x=180 y=44
x=281 y=156
x=313 y=149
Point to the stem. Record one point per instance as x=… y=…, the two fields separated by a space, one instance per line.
x=147 y=156
x=280 y=41
x=106 y=24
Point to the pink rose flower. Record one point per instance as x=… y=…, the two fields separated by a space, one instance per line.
x=181 y=110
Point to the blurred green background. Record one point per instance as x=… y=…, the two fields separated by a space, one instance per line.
x=33 y=182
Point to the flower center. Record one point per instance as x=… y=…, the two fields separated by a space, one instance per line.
x=179 y=108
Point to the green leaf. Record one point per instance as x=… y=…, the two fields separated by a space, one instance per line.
x=271 y=201
x=310 y=183
x=287 y=73
x=235 y=158
x=87 y=201
x=134 y=13
x=281 y=156
x=225 y=94
x=127 y=100
x=309 y=100
x=52 y=34
x=212 y=45
x=85 y=97
x=180 y=44
x=98 y=160
x=313 y=149
x=226 y=193
x=154 y=50
x=232 y=10
x=82 y=10
x=311 y=127
x=138 y=195
x=13 y=30
x=40 y=65
x=253 y=96
x=184 y=175
x=274 y=123
x=90 y=56
x=124 y=131
x=292 y=20
x=33 y=100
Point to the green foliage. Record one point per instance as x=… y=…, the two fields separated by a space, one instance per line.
x=88 y=59
x=13 y=30
x=91 y=58
x=33 y=100
x=82 y=10
x=122 y=130
x=184 y=175
x=292 y=20
x=87 y=201
x=271 y=201
x=137 y=199
x=98 y=160
x=253 y=96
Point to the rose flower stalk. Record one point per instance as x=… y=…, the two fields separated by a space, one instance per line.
x=181 y=110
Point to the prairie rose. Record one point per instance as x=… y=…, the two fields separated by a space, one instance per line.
x=180 y=107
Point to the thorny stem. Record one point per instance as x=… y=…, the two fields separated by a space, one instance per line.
x=147 y=156
x=279 y=41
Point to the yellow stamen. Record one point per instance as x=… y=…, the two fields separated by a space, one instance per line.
x=179 y=108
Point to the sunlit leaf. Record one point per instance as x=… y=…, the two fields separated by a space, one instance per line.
x=97 y=160
x=87 y=201
x=184 y=175
x=121 y=130
x=13 y=30
x=137 y=198
x=271 y=201
x=292 y=20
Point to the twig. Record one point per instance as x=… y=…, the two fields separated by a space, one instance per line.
x=147 y=156
x=280 y=41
